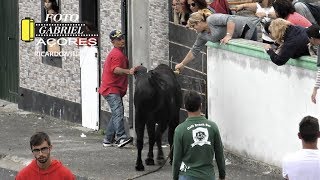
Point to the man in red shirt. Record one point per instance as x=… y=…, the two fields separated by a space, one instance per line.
x=113 y=87
x=43 y=167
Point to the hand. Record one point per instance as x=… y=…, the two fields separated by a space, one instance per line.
x=179 y=67
x=267 y=47
x=261 y=14
x=314 y=95
x=131 y=71
x=225 y=40
x=239 y=8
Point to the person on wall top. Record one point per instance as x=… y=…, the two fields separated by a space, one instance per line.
x=217 y=28
x=293 y=41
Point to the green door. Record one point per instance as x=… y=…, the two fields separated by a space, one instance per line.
x=9 y=42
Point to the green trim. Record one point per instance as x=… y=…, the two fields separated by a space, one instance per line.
x=255 y=49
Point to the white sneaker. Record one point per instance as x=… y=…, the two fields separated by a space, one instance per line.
x=125 y=141
x=107 y=144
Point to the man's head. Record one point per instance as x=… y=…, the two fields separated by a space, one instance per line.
x=314 y=34
x=117 y=38
x=309 y=129
x=192 y=101
x=40 y=145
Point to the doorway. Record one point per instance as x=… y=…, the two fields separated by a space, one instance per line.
x=9 y=58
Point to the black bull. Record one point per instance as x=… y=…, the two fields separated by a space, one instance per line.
x=157 y=100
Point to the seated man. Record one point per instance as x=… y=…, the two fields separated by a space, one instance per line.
x=304 y=164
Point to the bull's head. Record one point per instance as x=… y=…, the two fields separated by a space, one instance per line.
x=140 y=70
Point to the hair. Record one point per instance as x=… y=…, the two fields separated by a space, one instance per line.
x=185 y=8
x=202 y=4
x=38 y=138
x=314 y=31
x=90 y=26
x=55 y=8
x=198 y=16
x=53 y=2
x=309 y=129
x=192 y=101
x=278 y=29
x=283 y=8
x=269 y=2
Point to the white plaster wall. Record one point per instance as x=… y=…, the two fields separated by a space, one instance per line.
x=258 y=105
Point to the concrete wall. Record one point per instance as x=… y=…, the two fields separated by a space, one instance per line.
x=256 y=104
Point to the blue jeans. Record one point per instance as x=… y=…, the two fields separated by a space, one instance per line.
x=116 y=122
x=184 y=177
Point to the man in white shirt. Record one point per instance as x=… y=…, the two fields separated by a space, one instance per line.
x=305 y=163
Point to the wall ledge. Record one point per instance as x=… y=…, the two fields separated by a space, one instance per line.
x=255 y=49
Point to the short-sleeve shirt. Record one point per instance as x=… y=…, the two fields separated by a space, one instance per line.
x=298 y=20
x=303 y=164
x=112 y=83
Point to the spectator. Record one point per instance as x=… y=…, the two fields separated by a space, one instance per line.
x=314 y=37
x=303 y=10
x=293 y=41
x=263 y=10
x=196 y=5
x=43 y=166
x=175 y=11
x=196 y=142
x=304 y=164
x=215 y=28
x=220 y=6
x=51 y=7
x=285 y=10
x=50 y=4
x=113 y=87
x=89 y=41
x=181 y=12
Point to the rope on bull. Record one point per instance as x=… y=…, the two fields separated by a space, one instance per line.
x=155 y=170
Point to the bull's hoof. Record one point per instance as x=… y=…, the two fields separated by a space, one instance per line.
x=149 y=161
x=161 y=160
x=139 y=167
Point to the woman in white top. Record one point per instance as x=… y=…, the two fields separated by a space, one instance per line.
x=314 y=37
x=264 y=10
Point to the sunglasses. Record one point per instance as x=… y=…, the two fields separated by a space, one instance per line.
x=192 y=4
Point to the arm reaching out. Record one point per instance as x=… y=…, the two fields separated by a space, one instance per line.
x=189 y=57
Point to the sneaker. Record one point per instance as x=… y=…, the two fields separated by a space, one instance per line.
x=107 y=144
x=125 y=141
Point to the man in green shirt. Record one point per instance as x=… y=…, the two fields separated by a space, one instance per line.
x=196 y=142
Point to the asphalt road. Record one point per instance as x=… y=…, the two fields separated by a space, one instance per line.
x=86 y=157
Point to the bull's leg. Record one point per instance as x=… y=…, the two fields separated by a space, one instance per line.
x=170 y=139
x=172 y=126
x=139 y=127
x=151 y=134
x=160 y=157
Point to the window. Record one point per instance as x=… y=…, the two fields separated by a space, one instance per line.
x=51 y=7
x=89 y=14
